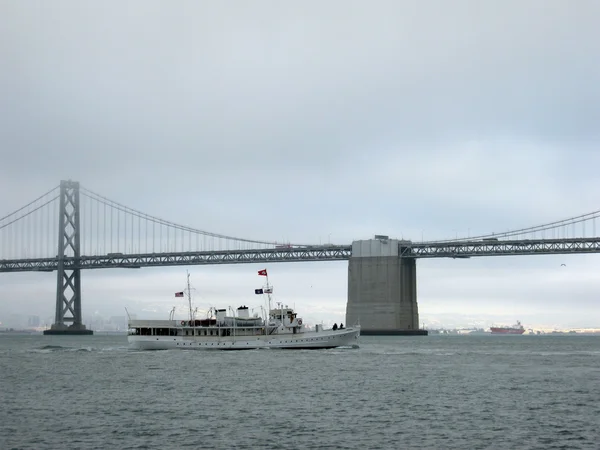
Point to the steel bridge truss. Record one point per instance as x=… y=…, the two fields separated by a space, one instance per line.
x=314 y=253
x=470 y=249
x=114 y=260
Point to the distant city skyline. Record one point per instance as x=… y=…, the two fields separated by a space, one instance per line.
x=100 y=323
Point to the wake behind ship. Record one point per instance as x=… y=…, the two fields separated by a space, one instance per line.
x=282 y=328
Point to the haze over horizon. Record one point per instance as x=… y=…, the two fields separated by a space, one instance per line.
x=313 y=122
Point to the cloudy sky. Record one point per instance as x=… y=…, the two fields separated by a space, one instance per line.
x=313 y=122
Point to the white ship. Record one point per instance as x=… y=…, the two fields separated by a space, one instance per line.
x=281 y=328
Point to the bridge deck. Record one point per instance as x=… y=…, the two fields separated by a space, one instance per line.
x=465 y=249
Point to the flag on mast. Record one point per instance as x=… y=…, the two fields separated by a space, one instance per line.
x=178 y=294
x=263 y=272
x=258 y=291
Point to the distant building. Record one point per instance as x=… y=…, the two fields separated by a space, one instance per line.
x=118 y=323
x=33 y=321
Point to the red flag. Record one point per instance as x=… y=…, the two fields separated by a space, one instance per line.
x=263 y=272
x=178 y=294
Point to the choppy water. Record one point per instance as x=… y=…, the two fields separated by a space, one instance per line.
x=438 y=392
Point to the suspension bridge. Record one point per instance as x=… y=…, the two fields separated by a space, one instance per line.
x=71 y=228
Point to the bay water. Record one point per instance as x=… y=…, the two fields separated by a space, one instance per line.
x=429 y=392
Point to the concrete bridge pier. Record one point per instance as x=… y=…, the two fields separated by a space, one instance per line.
x=382 y=289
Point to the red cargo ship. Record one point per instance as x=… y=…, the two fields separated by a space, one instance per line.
x=515 y=329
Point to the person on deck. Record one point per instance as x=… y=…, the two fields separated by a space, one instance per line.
x=334 y=327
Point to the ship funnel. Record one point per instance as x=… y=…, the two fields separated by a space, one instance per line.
x=243 y=312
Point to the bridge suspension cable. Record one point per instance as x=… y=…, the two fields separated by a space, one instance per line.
x=120 y=207
x=31 y=203
x=28 y=213
x=31 y=230
x=109 y=227
x=530 y=230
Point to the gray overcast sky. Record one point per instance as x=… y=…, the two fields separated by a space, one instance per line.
x=314 y=121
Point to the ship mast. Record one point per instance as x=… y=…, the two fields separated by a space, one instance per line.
x=269 y=291
x=189 y=294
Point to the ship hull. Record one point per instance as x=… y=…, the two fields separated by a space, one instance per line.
x=506 y=331
x=307 y=340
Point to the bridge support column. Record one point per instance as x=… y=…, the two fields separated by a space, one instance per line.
x=382 y=289
x=67 y=319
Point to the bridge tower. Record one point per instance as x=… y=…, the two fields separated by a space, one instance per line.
x=382 y=289
x=67 y=319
